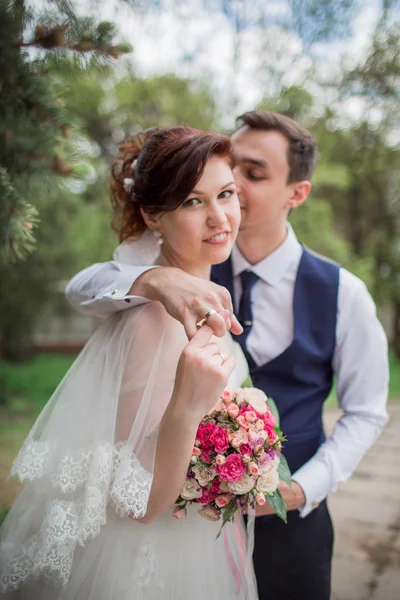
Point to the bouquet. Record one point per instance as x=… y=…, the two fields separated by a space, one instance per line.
x=236 y=459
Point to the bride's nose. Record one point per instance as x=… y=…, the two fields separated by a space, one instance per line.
x=216 y=216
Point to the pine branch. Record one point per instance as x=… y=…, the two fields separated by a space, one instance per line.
x=19 y=218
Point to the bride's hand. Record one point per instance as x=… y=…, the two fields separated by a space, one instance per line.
x=184 y=298
x=202 y=374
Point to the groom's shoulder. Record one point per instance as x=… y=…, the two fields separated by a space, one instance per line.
x=319 y=258
x=347 y=280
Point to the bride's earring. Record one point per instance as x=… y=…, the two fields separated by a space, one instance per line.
x=159 y=237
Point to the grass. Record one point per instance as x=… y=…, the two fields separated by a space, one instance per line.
x=25 y=389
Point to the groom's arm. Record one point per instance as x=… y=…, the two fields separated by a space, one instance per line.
x=112 y=286
x=105 y=288
x=360 y=363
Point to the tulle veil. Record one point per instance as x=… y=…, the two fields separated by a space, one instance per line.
x=88 y=460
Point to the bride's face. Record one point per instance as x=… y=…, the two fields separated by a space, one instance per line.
x=201 y=231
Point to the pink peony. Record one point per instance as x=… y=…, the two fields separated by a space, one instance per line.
x=204 y=433
x=219 y=438
x=269 y=419
x=233 y=469
x=179 y=513
x=233 y=410
x=272 y=435
x=215 y=486
x=205 y=497
x=222 y=500
x=245 y=449
x=209 y=512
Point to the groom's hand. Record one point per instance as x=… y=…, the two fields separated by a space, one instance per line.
x=188 y=298
x=293 y=496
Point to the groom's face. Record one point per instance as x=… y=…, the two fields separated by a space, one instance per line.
x=261 y=173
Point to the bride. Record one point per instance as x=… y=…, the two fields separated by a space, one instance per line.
x=108 y=455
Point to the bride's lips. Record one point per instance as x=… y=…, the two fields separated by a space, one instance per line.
x=218 y=239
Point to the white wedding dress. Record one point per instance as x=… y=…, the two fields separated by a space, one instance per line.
x=87 y=465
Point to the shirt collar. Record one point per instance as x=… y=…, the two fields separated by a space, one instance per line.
x=273 y=267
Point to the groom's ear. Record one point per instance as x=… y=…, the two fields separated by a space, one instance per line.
x=300 y=193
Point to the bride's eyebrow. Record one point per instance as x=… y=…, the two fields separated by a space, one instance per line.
x=199 y=193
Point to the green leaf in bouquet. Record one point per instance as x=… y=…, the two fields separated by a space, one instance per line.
x=278 y=504
x=274 y=409
x=284 y=471
x=227 y=515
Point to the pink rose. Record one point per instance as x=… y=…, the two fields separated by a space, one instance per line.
x=233 y=469
x=246 y=409
x=226 y=397
x=250 y=416
x=242 y=422
x=259 y=425
x=246 y=459
x=205 y=497
x=239 y=437
x=220 y=459
x=179 y=513
x=222 y=500
x=219 y=438
x=196 y=451
x=260 y=499
x=253 y=469
x=233 y=410
x=204 y=433
x=209 y=512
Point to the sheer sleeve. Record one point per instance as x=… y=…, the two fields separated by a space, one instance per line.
x=92 y=449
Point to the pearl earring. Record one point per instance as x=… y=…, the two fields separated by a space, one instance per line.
x=159 y=237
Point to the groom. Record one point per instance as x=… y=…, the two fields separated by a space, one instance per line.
x=305 y=320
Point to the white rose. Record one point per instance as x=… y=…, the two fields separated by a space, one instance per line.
x=253 y=396
x=242 y=486
x=204 y=473
x=271 y=465
x=191 y=489
x=268 y=481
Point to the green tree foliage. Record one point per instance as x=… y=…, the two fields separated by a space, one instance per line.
x=35 y=126
x=75 y=217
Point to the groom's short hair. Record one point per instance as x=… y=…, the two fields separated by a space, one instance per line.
x=302 y=153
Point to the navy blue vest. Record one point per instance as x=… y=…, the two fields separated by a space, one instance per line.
x=300 y=379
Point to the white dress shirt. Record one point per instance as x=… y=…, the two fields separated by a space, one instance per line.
x=360 y=360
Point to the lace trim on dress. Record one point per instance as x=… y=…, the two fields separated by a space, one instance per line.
x=106 y=473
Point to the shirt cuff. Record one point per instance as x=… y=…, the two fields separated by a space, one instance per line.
x=118 y=294
x=315 y=481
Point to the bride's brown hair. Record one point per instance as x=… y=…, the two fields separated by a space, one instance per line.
x=156 y=171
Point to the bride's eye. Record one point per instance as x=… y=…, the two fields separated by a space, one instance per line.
x=191 y=202
x=226 y=194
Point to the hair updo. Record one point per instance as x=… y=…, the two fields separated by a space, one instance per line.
x=156 y=171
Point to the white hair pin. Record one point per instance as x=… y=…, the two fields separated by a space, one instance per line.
x=128 y=184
